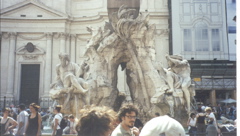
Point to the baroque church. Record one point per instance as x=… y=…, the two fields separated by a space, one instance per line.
x=34 y=32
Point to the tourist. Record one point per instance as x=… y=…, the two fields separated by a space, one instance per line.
x=192 y=124
x=13 y=114
x=201 y=126
x=157 y=114
x=57 y=131
x=34 y=121
x=22 y=120
x=7 y=123
x=212 y=129
x=70 y=129
x=138 y=124
x=232 y=112
x=162 y=125
x=219 y=111
x=96 y=121
x=127 y=116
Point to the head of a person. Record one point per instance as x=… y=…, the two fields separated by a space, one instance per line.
x=34 y=107
x=6 y=112
x=71 y=117
x=57 y=109
x=192 y=115
x=21 y=107
x=127 y=115
x=208 y=110
x=96 y=121
x=157 y=114
x=64 y=58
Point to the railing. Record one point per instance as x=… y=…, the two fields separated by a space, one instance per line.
x=210 y=84
x=44 y=102
x=9 y=102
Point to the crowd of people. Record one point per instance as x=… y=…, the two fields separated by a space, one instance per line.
x=205 y=119
x=103 y=121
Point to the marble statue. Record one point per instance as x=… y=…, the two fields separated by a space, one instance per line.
x=125 y=42
x=69 y=80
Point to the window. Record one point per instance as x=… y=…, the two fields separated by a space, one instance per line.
x=215 y=40
x=201 y=37
x=187 y=39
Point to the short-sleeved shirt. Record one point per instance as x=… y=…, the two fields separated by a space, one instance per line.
x=120 y=131
x=3 y=121
x=211 y=115
x=59 y=117
x=22 y=117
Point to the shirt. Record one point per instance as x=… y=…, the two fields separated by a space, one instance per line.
x=3 y=121
x=211 y=115
x=22 y=117
x=192 y=122
x=59 y=117
x=120 y=131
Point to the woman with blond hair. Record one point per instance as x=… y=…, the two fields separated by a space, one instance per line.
x=34 y=121
x=212 y=128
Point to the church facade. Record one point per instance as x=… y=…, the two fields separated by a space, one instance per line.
x=34 y=32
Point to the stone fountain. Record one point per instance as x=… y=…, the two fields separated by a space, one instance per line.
x=126 y=41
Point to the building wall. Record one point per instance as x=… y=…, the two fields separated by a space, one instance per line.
x=58 y=26
x=207 y=16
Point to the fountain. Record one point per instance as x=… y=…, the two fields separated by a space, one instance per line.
x=126 y=41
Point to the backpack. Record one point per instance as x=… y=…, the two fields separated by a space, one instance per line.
x=63 y=123
x=2 y=127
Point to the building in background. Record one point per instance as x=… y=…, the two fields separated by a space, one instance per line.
x=203 y=31
x=34 y=32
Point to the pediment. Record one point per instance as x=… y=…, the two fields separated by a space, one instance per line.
x=30 y=49
x=31 y=9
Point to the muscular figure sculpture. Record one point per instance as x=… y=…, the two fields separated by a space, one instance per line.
x=68 y=74
x=180 y=67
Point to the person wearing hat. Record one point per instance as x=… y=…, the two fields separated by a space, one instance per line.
x=163 y=125
x=22 y=120
x=212 y=129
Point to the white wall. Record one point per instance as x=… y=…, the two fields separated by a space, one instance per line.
x=186 y=15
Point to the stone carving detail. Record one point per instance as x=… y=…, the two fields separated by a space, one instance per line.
x=128 y=43
x=30 y=57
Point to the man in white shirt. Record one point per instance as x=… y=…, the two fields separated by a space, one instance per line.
x=22 y=120
x=57 y=131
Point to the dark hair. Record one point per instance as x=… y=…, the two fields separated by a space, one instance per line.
x=127 y=109
x=192 y=114
x=95 y=121
x=58 y=108
x=6 y=109
x=157 y=114
x=35 y=106
x=199 y=110
x=71 y=116
x=21 y=106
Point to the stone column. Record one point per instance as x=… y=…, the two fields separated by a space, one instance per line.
x=11 y=65
x=62 y=42
x=212 y=97
x=73 y=48
x=233 y=94
x=68 y=40
x=48 y=65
